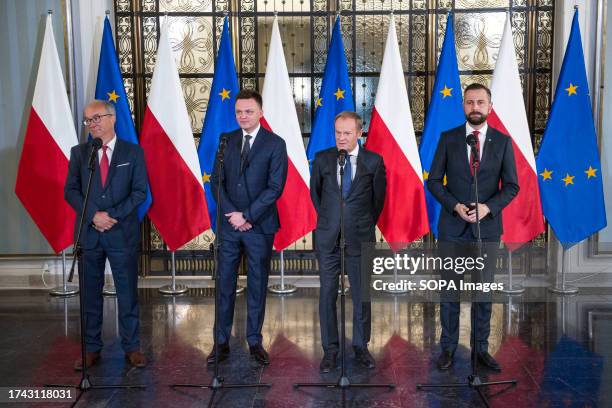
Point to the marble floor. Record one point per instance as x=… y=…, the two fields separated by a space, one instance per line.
x=559 y=350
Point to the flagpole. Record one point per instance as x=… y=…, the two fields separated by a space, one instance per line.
x=396 y=291
x=282 y=289
x=512 y=289
x=65 y=290
x=173 y=288
x=563 y=289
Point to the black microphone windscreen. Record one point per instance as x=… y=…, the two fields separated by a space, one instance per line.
x=471 y=139
x=96 y=143
x=342 y=156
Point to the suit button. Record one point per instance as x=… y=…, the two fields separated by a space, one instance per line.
x=239 y=185
x=103 y=196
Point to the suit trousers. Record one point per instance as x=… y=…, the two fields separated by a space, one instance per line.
x=329 y=270
x=480 y=313
x=124 y=265
x=258 y=248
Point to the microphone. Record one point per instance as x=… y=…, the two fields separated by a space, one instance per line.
x=96 y=143
x=472 y=141
x=342 y=157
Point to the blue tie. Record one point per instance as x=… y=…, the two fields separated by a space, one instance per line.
x=347 y=177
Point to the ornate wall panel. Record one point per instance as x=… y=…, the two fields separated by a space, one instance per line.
x=305 y=25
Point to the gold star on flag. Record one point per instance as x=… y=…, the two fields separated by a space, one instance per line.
x=319 y=102
x=546 y=174
x=444 y=180
x=206 y=177
x=571 y=90
x=425 y=175
x=591 y=172
x=339 y=94
x=224 y=94
x=112 y=96
x=568 y=179
x=446 y=92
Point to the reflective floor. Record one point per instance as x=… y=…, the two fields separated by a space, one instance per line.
x=559 y=351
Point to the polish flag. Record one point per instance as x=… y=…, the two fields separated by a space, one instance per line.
x=391 y=134
x=522 y=218
x=179 y=209
x=43 y=166
x=296 y=211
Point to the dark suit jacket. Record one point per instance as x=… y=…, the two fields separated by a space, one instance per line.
x=126 y=188
x=497 y=165
x=361 y=208
x=254 y=191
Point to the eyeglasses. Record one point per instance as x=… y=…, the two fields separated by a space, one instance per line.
x=95 y=119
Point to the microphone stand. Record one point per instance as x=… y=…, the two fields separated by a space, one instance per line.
x=217 y=382
x=343 y=382
x=85 y=384
x=474 y=380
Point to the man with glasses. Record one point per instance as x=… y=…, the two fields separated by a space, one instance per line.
x=110 y=229
x=255 y=171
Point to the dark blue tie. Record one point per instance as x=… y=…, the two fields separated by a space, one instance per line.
x=347 y=177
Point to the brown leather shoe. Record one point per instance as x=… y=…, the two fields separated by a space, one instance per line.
x=136 y=358
x=91 y=358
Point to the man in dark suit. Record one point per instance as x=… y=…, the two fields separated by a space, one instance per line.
x=255 y=171
x=497 y=186
x=364 y=187
x=110 y=228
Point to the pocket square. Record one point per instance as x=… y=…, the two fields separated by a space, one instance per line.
x=124 y=164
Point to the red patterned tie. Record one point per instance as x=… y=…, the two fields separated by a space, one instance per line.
x=475 y=133
x=104 y=165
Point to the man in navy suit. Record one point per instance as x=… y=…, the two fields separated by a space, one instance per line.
x=497 y=186
x=364 y=187
x=254 y=175
x=110 y=229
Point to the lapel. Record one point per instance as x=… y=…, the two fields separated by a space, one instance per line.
x=260 y=140
x=487 y=145
x=462 y=147
x=360 y=169
x=234 y=143
x=117 y=158
x=332 y=161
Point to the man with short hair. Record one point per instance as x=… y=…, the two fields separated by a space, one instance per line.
x=110 y=228
x=254 y=175
x=364 y=187
x=497 y=186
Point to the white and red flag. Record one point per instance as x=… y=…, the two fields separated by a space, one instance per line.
x=295 y=208
x=179 y=209
x=522 y=218
x=43 y=165
x=391 y=134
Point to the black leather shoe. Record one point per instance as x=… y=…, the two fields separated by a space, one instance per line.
x=364 y=358
x=487 y=360
x=260 y=355
x=328 y=363
x=445 y=361
x=224 y=351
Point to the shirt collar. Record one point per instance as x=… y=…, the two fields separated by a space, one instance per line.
x=111 y=144
x=355 y=151
x=483 y=131
x=253 y=133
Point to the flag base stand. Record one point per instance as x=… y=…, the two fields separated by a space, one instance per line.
x=65 y=290
x=282 y=288
x=173 y=288
x=562 y=288
x=109 y=290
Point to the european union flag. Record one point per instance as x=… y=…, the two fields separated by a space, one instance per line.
x=220 y=115
x=335 y=96
x=569 y=169
x=109 y=87
x=445 y=112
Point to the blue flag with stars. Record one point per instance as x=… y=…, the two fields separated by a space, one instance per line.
x=335 y=96
x=109 y=87
x=445 y=112
x=569 y=169
x=220 y=115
